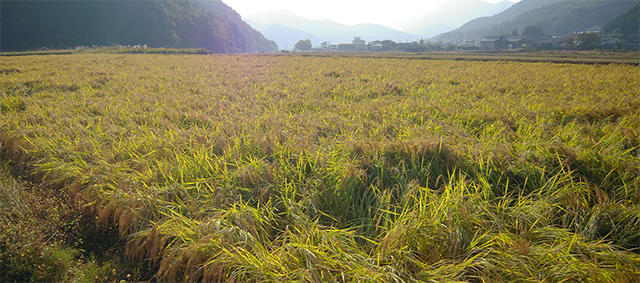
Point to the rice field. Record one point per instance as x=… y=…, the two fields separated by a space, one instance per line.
x=263 y=168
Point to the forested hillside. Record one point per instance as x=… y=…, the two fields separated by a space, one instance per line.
x=28 y=25
x=557 y=18
x=564 y=17
x=627 y=23
x=512 y=12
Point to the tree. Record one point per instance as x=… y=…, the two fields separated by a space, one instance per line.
x=388 y=44
x=303 y=45
x=569 y=42
x=515 y=32
x=177 y=23
x=435 y=46
x=532 y=32
x=589 y=41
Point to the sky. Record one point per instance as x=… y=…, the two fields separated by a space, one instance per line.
x=391 y=13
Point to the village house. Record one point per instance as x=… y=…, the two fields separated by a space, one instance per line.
x=515 y=42
x=593 y=29
x=375 y=45
x=356 y=45
x=494 y=43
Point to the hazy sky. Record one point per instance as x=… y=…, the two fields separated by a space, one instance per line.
x=350 y=12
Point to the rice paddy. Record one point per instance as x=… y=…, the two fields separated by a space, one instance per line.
x=263 y=168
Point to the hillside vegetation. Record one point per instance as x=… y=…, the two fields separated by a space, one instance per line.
x=29 y=25
x=252 y=168
x=511 y=12
x=554 y=18
x=627 y=23
x=449 y=15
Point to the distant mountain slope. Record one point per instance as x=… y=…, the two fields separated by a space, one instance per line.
x=285 y=36
x=455 y=13
x=379 y=32
x=327 y=30
x=555 y=18
x=627 y=23
x=255 y=38
x=207 y=24
x=512 y=12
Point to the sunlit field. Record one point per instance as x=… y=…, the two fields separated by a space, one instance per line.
x=264 y=168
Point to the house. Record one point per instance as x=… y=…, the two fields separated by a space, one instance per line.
x=610 y=43
x=356 y=45
x=515 y=42
x=375 y=46
x=494 y=43
x=628 y=43
x=593 y=29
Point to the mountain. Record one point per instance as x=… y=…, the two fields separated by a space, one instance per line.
x=512 y=12
x=255 y=38
x=285 y=36
x=625 y=24
x=565 y=17
x=450 y=15
x=435 y=29
x=327 y=30
x=554 y=17
x=210 y=24
x=463 y=32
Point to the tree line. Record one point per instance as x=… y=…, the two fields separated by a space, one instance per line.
x=28 y=25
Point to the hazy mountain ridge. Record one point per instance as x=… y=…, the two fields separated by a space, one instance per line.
x=511 y=12
x=285 y=36
x=327 y=30
x=207 y=24
x=453 y=14
x=555 y=17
